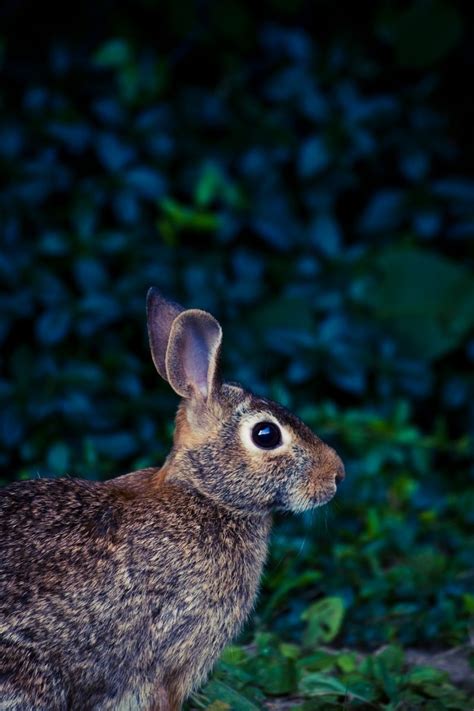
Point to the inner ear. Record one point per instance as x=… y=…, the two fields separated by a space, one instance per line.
x=193 y=353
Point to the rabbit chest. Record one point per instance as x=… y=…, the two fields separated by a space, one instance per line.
x=203 y=579
x=193 y=572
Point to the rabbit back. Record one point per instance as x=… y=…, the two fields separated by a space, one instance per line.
x=59 y=598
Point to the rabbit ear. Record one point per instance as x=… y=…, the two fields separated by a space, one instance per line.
x=160 y=316
x=193 y=353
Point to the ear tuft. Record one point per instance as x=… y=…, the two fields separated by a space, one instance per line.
x=193 y=353
x=160 y=316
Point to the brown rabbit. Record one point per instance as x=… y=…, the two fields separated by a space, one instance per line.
x=120 y=595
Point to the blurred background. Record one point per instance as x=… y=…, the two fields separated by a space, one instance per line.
x=304 y=171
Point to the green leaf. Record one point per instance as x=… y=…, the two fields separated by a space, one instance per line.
x=275 y=674
x=235 y=675
x=324 y=620
x=360 y=687
x=310 y=577
x=427 y=32
x=291 y=651
x=468 y=600
x=114 y=53
x=422 y=676
x=272 y=671
x=183 y=217
x=347 y=661
x=319 y=661
x=218 y=691
x=207 y=187
x=392 y=656
x=384 y=677
x=424 y=299
x=234 y=655
x=316 y=684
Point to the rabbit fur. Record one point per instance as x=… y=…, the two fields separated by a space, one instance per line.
x=120 y=595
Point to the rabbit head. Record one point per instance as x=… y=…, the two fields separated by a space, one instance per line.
x=243 y=451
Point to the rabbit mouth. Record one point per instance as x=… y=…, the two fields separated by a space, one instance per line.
x=325 y=497
x=301 y=499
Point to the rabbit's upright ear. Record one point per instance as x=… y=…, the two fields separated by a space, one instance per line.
x=160 y=316
x=193 y=353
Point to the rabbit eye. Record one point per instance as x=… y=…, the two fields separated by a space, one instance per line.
x=266 y=435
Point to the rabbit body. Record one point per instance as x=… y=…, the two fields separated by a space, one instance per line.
x=120 y=595
x=115 y=575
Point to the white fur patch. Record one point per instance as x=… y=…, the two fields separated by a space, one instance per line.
x=299 y=501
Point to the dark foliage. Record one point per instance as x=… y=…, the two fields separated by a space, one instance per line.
x=303 y=171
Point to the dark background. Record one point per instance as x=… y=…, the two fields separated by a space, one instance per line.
x=303 y=170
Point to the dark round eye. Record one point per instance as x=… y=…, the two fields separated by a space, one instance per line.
x=266 y=435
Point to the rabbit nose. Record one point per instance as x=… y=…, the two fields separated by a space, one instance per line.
x=340 y=473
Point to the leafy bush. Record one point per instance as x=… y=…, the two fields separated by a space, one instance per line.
x=324 y=679
x=304 y=175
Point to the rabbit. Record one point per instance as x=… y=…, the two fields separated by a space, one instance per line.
x=120 y=595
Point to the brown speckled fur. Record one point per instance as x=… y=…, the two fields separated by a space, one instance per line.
x=119 y=596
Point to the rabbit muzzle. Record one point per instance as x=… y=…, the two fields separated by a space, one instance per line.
x=317 y=483
x=329 y=473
